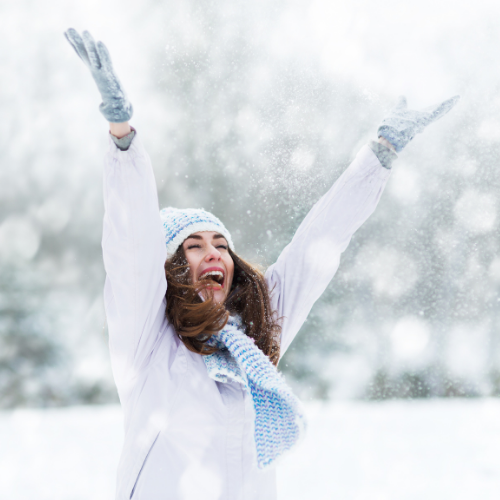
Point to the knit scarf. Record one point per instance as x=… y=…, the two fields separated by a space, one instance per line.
x=279 y=418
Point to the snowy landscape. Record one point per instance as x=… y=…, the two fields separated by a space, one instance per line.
x=397 y=450
x=252 y=110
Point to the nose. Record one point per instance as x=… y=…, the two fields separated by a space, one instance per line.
x=213 y=255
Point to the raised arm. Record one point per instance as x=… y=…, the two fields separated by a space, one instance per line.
x=134 y=250
x=310 y=261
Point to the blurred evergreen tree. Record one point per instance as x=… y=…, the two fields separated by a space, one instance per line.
x=29 y=356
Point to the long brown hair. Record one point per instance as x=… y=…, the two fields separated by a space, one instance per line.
x=196 y=320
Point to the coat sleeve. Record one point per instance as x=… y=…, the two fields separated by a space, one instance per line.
x=134 y=255
x=309 y=262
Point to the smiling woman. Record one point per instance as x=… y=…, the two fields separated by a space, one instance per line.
x=206 y=281
x=195 y=332
x=207 y=254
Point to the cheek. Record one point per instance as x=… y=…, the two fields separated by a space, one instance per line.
x=192 y=263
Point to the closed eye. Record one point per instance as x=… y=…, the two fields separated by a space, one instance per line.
x=222 y=246
x=193 y=246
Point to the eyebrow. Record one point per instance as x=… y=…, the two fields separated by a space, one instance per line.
x=198 y=237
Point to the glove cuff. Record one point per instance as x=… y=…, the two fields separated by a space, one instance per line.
x=385 y=155
x=124 y=143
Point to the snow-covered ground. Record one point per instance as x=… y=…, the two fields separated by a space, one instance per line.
x=400 y=450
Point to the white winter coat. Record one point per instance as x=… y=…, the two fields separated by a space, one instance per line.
x=188 y=437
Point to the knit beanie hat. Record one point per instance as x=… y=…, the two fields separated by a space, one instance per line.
x=178 y=224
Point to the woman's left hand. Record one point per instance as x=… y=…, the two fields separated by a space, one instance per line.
x=401 y=125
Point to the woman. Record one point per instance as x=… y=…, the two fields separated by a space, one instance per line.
x=206 y=412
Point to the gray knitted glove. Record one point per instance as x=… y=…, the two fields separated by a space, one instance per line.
x=401 y=125
x=115 y=107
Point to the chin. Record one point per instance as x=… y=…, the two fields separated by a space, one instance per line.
x=219 y=297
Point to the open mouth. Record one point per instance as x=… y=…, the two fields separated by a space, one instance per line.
x=216 y=276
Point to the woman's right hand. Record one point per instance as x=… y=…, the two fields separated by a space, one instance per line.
x=115 y=106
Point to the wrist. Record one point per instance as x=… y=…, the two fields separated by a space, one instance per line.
x=123 y=144
x=119 y=130
x=386 y=143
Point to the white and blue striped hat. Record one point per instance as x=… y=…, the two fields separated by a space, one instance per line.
x=178 y=224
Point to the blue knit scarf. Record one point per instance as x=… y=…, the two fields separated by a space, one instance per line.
x=279 y=419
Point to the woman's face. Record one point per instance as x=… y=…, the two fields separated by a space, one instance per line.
x=207 y=253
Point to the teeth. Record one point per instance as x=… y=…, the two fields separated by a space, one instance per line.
x=218 y=274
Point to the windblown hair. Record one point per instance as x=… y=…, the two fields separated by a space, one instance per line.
x=196 y=320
